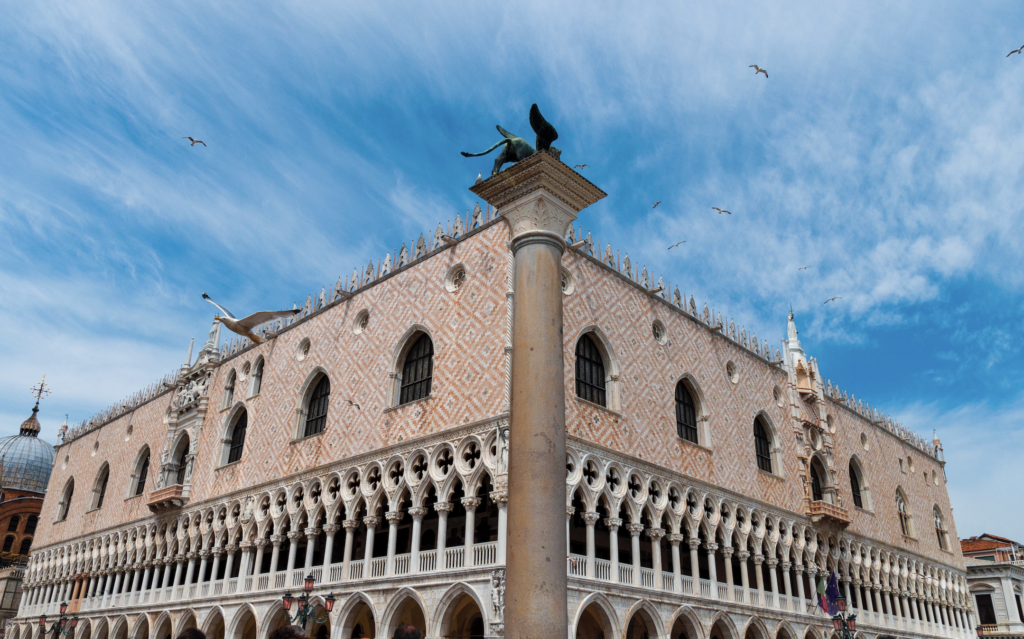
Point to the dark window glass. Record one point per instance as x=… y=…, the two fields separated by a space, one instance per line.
x=855 y=487
x=13 y=525
x=986 y=612
x=901 y=510
x=238 y=438
x=316 y=416
x=589 y=372
x=182 y=463
x=103 y=488
x=8 y=543
x=140 y=485
x=762 y=447
x=417 y=371
x=815 y=484
x=257 y=378
x=26 y=544
x=30 y=525
x=65 y=505
x=686 y=414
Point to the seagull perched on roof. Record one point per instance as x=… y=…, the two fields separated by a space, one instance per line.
x=758 y=69
x=193 y=140
x=479 y=178
x=245 y=326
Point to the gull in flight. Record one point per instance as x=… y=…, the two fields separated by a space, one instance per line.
x=676 y=244
x=1014 y=51
x=831 y=299
x=720 y=211
x=758 y=69
x=245 y=326
x=581 y=166
x=803 y=268
x=193 y=140
x=656 y=204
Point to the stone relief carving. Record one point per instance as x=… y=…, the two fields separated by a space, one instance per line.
x=192 y=391
x=498 y=601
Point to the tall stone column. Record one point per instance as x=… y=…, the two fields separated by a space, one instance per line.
x=257 y=564
x=613 y=524
x=330 y=530
x=539 y=197
x=634 y=540
x=275 y=554
x=500 y=497
x=393 y=517
x=442 y=508
x=743 y=556
x=677 y=578
x=350 y=526
x=729 y=583
x=655 y=535
x=712 y=569
x=417 y=515
x=470 y=504
x=311 y=534
x=590 y=519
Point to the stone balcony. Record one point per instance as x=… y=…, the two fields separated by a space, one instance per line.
x=166 y=498
x=824 y=512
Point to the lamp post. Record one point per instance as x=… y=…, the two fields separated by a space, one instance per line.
x=62 y=626
x=304 y=613
x=842 y=623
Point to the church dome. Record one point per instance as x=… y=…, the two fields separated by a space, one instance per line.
x=26 y=460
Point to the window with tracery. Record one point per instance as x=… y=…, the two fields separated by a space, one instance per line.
x=238 y=438
x=316 y=414
x=140 y=482
x=257 y=378
x=417 y=371
x=686 y=414
x=940 y=529
x=762 y=446
x=590 y=375
x=65 y=502
x=229 y=390
x=858 y=501
x=815 y=483
x=904 y=514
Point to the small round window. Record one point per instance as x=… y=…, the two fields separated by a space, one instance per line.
x=456 y=278
x=302 y=351
x=659 y=332
x=732 y=373
x=568 y=284
x=362 y=322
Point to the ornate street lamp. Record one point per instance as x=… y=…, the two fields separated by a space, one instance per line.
x=842 y=623
x=305 y=611
x=61 y=627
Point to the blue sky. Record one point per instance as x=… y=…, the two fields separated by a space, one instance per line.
x=883 y=151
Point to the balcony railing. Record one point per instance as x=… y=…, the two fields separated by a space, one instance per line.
x=170 y=497
x=823 y=510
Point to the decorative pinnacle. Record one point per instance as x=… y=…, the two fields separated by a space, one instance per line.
x=40 y=391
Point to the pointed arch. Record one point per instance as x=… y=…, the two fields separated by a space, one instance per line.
x=313 y=408
x=393 y=614
x=648 y=613
x=860 y=487
x=119 y=629
x=99 y=488
x=163 y=620
x=688 y=618
x=419 y=388
x=755 y=628
x=601 y=610
x=722 y=627
x=237 y=627
x=140 y=473
x=691 y=411
x=213 y=622
x=599 y=375
x=187 y=619
x=766 y=444
x=232 y=446
x=348 y=616
x=785 y=630
x=446 y=605
x=140 y=629
x=256 y=377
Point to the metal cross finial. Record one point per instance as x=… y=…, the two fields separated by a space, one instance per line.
x=41 y=390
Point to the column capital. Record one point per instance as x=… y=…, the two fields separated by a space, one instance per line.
x=500 y=497
x=635 y=529
x=295 y=535
x=190 y=556
x=799 y=568
x=331 y=529
x=261 y=542
x=217 y=552
x=674 y=538
x=711 y=547
x=371 y=522
x=694 y=543
x=203 y=554
x=312 y=532
x=613 y=523
x=812 y=569
x=728 y=551
x=470 y=503
x=590 y=518
x=655 y=534
x=276 y=539
x=230 y=548
x=180 y=557
x=394 y=517
x=350 y=525
x=569 y=511
x=743 y=555
x=418 y=514
x=759 y=559
x=772 y=562
x=245 y=545
x=443 y=507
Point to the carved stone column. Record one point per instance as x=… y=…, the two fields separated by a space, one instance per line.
x=539 y=197
x=613 y=524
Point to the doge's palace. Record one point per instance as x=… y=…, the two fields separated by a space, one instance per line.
x=710 y=478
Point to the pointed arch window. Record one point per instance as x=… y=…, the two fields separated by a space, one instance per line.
x=229 y=390
x=418 y=371
x=316 y=414
x=30 y=525
x=940 y=529
x=65 y=503
x=140 y=481
x=906 y=522
x=257 y=378
x=182 y=461
x=686 y=413
x=762 y=446
x=816 y=494
x=858 y=500
x=100 y=489
x=238 y=437
x=590 y=372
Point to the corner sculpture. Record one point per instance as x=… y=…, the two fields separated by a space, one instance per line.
x=516 y=149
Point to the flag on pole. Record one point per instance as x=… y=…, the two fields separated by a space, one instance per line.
x=822 y=593
x=832 y=594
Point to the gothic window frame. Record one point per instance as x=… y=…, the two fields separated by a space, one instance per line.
x=317 y=407
x=611 y=367
x=859 y=480
x=703 y=435
x=817 y=490
x=903 y=514
x=765 y=447
x=590 y=372
x=235 y=443
x=182 y=448
x=941 y=532
x=256 y=377
x=99 y=487
x=229 y=390
x=399 y=361
x=141 y=469
x=66 y=496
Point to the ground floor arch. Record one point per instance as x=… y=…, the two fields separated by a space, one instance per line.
x=213 y=626
x=243 y=626
x=141 y=630
x=685 y=624
x=595 y=622
x=357 y=619
x=406 y=608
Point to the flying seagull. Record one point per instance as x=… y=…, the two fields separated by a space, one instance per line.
x=676 y=244
x=831 y=299
x=245 y=325
x=758 y=69
x=803 y=268
x=581 y=166
x=656 y=204
x=720 y=211
x=194 y=141
x=1014 y=51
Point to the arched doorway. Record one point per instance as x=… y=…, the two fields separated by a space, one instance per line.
x=466 y=620
x=721 y=630
x=142 y=629
x=408 y=612
x=319 y=630
x=684 y=627
x=245 y=626
x=593 y=623
x=163 y=629
x=641 y=626
x=359 y=622
x=214 y=626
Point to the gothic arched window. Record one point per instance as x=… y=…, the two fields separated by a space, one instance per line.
x=762 y=446
x=99 y=491
x=238 y=437
x=858 y=501
x=417 y=371
x=316 y=413
x=590 y=375
x=141 y=474
x=686 y=413
x=229 y=390
x=183 y=447
x=940 y=529
x=906 y=522
x=815 y=483
x=257 y=378
x=26 y=544
x=65 y=501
